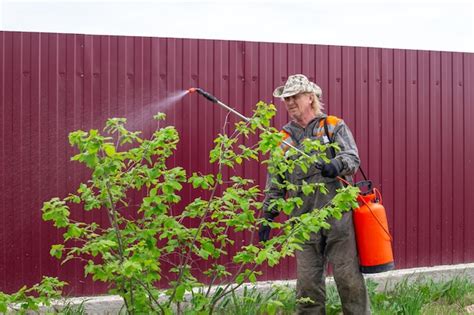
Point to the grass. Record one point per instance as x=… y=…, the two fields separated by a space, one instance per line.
x=72 y=309
x=408 y=297
x=422 y=296
x=280 y=299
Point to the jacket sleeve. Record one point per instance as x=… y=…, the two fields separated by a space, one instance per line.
x=272 y=192
x=348 y=156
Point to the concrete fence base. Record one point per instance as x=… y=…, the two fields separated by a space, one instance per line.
x=112 y=304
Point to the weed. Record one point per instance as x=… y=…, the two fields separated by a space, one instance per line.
x=422 y=296
x=408 y=297
x=278 y=300
x=72 y=309
x=333 y=301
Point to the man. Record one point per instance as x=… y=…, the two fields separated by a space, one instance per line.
x=337 y=245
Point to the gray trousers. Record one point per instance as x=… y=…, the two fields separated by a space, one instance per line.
x=336 y=245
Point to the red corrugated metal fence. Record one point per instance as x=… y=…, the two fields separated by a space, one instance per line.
x=410 y=111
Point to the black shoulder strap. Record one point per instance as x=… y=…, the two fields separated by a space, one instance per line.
x=333 y=152
x=326 y=131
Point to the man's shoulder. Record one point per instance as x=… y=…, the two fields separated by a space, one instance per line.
x=333 y=120
x=289 y=128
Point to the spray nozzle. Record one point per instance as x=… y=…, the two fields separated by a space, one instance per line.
x=207 y=95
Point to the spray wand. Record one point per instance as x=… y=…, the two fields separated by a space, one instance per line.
x=214 y=99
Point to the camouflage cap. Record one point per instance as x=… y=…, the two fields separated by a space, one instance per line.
x=297 y=83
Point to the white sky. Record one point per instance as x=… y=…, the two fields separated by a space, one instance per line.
x=412 y=24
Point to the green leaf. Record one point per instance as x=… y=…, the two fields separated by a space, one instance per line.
x=288 y=207
x=100 y=246
x=74 y=198
x=180 y=290
x=73 y=231
x=252 y=277
x=209 y=247
x=323 y=213
x=131 y=268
x=202 y=181
x=159 y=116
x=273 y=258
x=240 y=278
x=57 y=211
x=304 y=167
x=196 y=181
x=57 y=251
x=109 y=150
x=273 y=306
x=307 y=188
x=203 y=253
x=261 y=257
x=176 y=185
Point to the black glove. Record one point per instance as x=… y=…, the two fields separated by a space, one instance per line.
x=330 y=170
x=264 y=230
x=264 y=233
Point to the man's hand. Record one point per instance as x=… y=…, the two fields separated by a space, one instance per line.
x=264 y=232
x=330 y=170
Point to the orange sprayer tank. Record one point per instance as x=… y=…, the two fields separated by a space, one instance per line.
x=374 y=242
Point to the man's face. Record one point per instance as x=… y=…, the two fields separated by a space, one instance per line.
x=299 y=106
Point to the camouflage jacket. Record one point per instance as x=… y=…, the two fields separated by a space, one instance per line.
x=347 y=160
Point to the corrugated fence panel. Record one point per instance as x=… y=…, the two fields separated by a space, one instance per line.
x=388 y=172
x=399 y=225
x=435 y=158
x=468 y=158
x=423 y=151
x=458 y=158
x=469 y=154
x=410 y=112
x=412 y=161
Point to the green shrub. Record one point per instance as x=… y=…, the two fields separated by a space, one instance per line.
x=129 y=251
